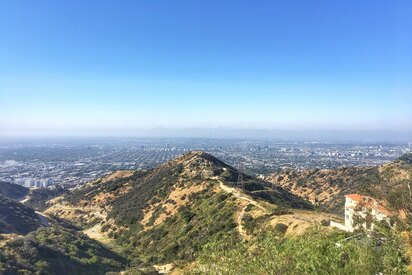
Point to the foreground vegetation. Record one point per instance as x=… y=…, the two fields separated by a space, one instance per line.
x=315 y=253
x=180 y=237
x=387 y=250
x=57 y=250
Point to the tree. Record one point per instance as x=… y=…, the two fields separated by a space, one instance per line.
x=400 y=201
x=42 y=267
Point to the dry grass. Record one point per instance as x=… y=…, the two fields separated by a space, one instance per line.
x=117 y=175
x=181 y=198
x=299 y=221
x=96 y=234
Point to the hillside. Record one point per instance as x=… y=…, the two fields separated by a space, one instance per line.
x=326 y=188
x=17 y=218
x=35 y=198
x=57 y=250
x=168 y=213
x=31 y=243
x=38 y=197
x=13 y=191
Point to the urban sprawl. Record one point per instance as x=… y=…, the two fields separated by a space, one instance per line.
x=73 y=163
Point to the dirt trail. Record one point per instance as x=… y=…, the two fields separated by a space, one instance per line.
x=92 y=210
x=93 y=232
x=240 y=196
x=43 y=219
x=298 y=221
x=96 y=234
x=237 y=194
x=25 y=199
x=240 y=228
x=164 y=269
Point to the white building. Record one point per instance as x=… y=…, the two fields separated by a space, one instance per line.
x=358 y=206
x=361 y=206
x=29 y=183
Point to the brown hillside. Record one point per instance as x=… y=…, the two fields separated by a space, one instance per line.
x=169 y=212
x=326 y=188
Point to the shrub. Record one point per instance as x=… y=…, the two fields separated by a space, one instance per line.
x=281 y=228
x=313 y=253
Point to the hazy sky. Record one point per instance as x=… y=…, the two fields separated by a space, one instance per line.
x=102 y=66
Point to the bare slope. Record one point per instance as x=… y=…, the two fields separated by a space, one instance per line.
x=327 y=188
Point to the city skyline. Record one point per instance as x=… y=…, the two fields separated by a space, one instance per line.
x=206 y=69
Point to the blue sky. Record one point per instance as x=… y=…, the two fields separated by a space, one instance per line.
x=123 y=66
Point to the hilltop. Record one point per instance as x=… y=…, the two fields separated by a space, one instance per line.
x=326 y=188
x=168 y=213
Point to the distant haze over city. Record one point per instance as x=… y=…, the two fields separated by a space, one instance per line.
x=285 y=135
x=72 y=161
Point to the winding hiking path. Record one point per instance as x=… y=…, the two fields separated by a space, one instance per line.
x=237 y=194
x=240 y=228
x=90 y=210
x=93 y=232
x=43 y=219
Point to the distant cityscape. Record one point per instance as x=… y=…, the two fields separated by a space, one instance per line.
x=72 y=163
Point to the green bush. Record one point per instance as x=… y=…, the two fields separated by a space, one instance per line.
x=313 y=253
x=181 y=236
x=57 y=250
x=281 y=228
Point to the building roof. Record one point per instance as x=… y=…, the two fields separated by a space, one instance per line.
x=370 y=203
x=355 y=197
